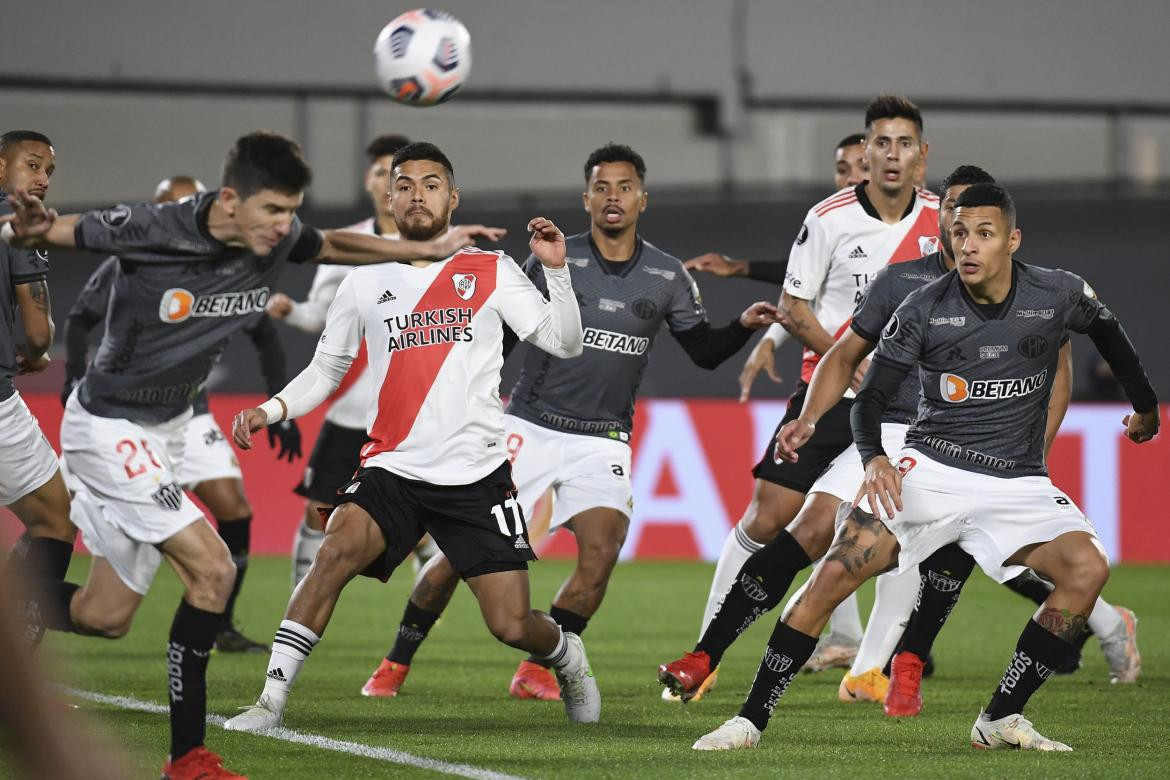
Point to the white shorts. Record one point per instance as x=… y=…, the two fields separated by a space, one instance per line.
x=128 y=495
x=27 y=460
x=584 y=471
x=990 y=517
x=208 y=454
x=845 y=474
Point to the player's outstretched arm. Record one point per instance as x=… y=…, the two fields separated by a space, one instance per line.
x=1114 y=345
x=1062 y=385
x=33 y=226
x=555 y=327
x=717 y=264
x=303 y=394
x=345 y=247
x=833 y=376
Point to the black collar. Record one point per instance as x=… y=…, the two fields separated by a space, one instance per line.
x=616 y=267
x=867 y=204
x=203 y=203
x=996 y=311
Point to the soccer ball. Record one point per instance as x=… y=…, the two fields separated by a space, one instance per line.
x=423 y=57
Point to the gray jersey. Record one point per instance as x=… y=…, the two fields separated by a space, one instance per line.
x=882 y=298
x=17 y=266
x=179 y=294
x=986 y=380
x=621 y=313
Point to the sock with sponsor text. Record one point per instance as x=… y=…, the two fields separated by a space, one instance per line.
x=1038 y=653
x=192 y=635
x=787 y=651
x=942 y=576
x=737 y=548
x=416 y=624
x=760 y=586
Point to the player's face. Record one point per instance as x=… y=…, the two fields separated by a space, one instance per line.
x=983 y=243
x=262 y=220
x=894 y=151
x=378 y=184
x=946 y=216
x=614 y=197
x=423 y=199
x=852 y=166
x=27 y=165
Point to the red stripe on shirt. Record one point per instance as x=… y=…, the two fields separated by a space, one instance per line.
x=835 y=206
x=848 y=197
x=412 y=372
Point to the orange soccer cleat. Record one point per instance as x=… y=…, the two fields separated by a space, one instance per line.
x=904 y=699
x=386 y=679
x=198 y=764
x=871 y=686
x=533 y=681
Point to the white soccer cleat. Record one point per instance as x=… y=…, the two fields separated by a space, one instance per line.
x=261 y=716
x=832 y=652
x=1014 y=732
x=1121 y=650
x=578 y=686
x=735 y=734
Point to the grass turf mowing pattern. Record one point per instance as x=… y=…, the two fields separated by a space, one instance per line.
x=454 y=706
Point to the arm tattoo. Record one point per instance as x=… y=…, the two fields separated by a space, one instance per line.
x=39 y=292
x=1062 y=623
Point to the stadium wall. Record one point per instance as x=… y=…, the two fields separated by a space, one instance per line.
x=691 y=477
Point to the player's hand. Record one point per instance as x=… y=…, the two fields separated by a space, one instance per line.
x=763 y=358
x=1141 y=428
x=791 y=437
x=30 y=219
x=882 y=488
x=279 y=306
x=461 y=236
x=715 y=263
x=245 y=424
x=859 y=374
x=30 y=365
x=759 y=315
x=547 y=242
x=288 y=435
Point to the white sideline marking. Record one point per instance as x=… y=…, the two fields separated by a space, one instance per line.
x=315 y=740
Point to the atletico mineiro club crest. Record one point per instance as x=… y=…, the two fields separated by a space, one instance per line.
x=464 y=285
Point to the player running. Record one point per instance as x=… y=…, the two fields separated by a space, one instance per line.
x=972 y=470
x=437 y=460
x=210 y=468
x=569 y=422
x=30 y=480
x=202 y=270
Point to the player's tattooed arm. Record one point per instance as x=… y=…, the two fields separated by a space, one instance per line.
x=1062 y=623
x=32 y=298
x=803 y=324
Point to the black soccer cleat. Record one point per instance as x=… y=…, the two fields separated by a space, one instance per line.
x=230 y=640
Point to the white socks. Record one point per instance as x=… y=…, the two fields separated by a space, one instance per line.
x=305 y=546
x=1104 y=618
x=737 y=548
x=559 y=658
x=894 y=598
x=290 y=648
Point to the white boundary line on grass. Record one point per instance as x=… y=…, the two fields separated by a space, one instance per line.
x=388 y=755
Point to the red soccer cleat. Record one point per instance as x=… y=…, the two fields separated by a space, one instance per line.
x=533 y=681
x=904 y=699
x=198 y=764
x=386 y=679
x=688 y=677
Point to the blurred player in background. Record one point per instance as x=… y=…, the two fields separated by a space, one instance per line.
x=337 y=454
x=31 y=484
x=210 y=469
x=202 y=270
x=436 y=461
x=569 y=421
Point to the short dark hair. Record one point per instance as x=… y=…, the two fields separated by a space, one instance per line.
x=855 y=139
x=989 y=195
x=966 y=174
x=384 y=145
x=13 y=137
x=612 y=152
x=263 y=160
x=893 y=107
x=424 y=150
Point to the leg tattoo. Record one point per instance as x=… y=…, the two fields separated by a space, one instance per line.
x=1062 y=622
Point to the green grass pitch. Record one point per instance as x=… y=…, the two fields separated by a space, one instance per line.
x=454 y=706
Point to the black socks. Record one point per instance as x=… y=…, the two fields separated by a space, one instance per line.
x=787 y=651
x=237 y=535
x=943 y=575
x=192 y=635
x=416 y=624
x=1037 y=655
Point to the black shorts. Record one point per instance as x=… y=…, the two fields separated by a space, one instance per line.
x=479 y=527
x=336 y=457
x=831 y=437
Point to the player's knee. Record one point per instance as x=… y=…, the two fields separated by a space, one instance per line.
x=1089 y=569
x=232 y=510
x=598 y=556
x=507 y=628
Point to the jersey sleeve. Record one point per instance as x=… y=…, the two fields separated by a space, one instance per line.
x=1084 y=309
x=94 y=298
x=345 y=327
x=876 y=307
x=27 y=265
x=901 y=340
x=533 y=269
x=686 y=304
x=808 y=262
x=307 y=242
x=123 y=228
x=520 y=303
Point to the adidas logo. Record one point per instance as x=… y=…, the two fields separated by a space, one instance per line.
x=387 y=296
x=277 y=674
x=520 y=543
x=858 y=253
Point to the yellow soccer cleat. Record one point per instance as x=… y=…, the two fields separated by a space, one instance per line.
x=871 y=686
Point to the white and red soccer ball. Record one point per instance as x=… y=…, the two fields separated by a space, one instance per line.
x=423 y=57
